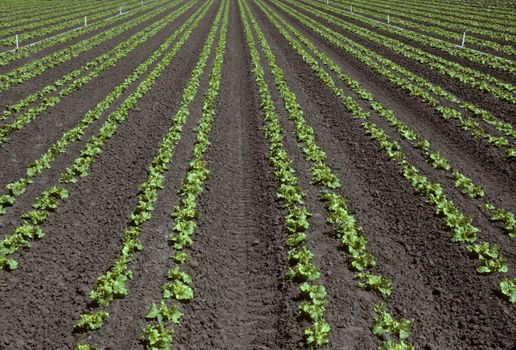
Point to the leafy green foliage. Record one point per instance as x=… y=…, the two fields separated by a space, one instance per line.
x=91 y=321
x=157 y=337
x=442 y=65
x=301 y=268
x=76 y=79
x=385 y=324
x=461 y=225
x=392 y=345
x=467 y=185
x=29 y=229
x=374 y=282
x=164 y=313
x=503 y=216
x=347 y=231
x=439 y=162
x=94 y=147
x=489 y=256
x=178 y=285
x=411 y=83
x=508 y=288
x=81 y=346
x=179 y=288
x=317 y=334
x=38 y=66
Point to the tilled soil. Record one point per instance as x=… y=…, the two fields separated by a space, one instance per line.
x=238 y=260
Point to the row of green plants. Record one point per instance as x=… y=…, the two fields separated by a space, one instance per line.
x=95 y=144
x=468 y=76
x=344 y=224
x=113 y=284
x=449 y=48
x=438 y=161
x=57 y=10
x=56 y=25
x=165 y=316
x=30 y=228
x=15 y=26
x=439 y=18
x=414 y=85
x=461 y=225
x=467 y=124
x=76 y=79
x=17 y=16
x=39 y=66
x=31 y=12
x=302 y=269
x=15 y=189
x=435 y=32
x=476 y=12
x=26 y=51
x=340 y=219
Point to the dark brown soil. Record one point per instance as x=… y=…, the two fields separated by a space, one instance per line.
x=238 y=260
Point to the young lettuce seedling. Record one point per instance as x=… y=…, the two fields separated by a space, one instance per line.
x=385 y=324
x=91 y=321
x=87 y=347
x=508 y=288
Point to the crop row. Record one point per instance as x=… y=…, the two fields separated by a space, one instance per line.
x=40 y=66
x=499 y=31
x=414 y=85
x=18 y=187
x=57 y=25
x=17 y=26
x=20 y=13
x=343 y=223
x=461 y=226
x=436 y=32
x=26 y=51
x=302 y=269
x=468 y=76
x=16 y=240
x=113 y=283
x=345 y=226
x=444 y=22
x=475 y=11
x=424 y=40
x=59 y=89
x=158 y=334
